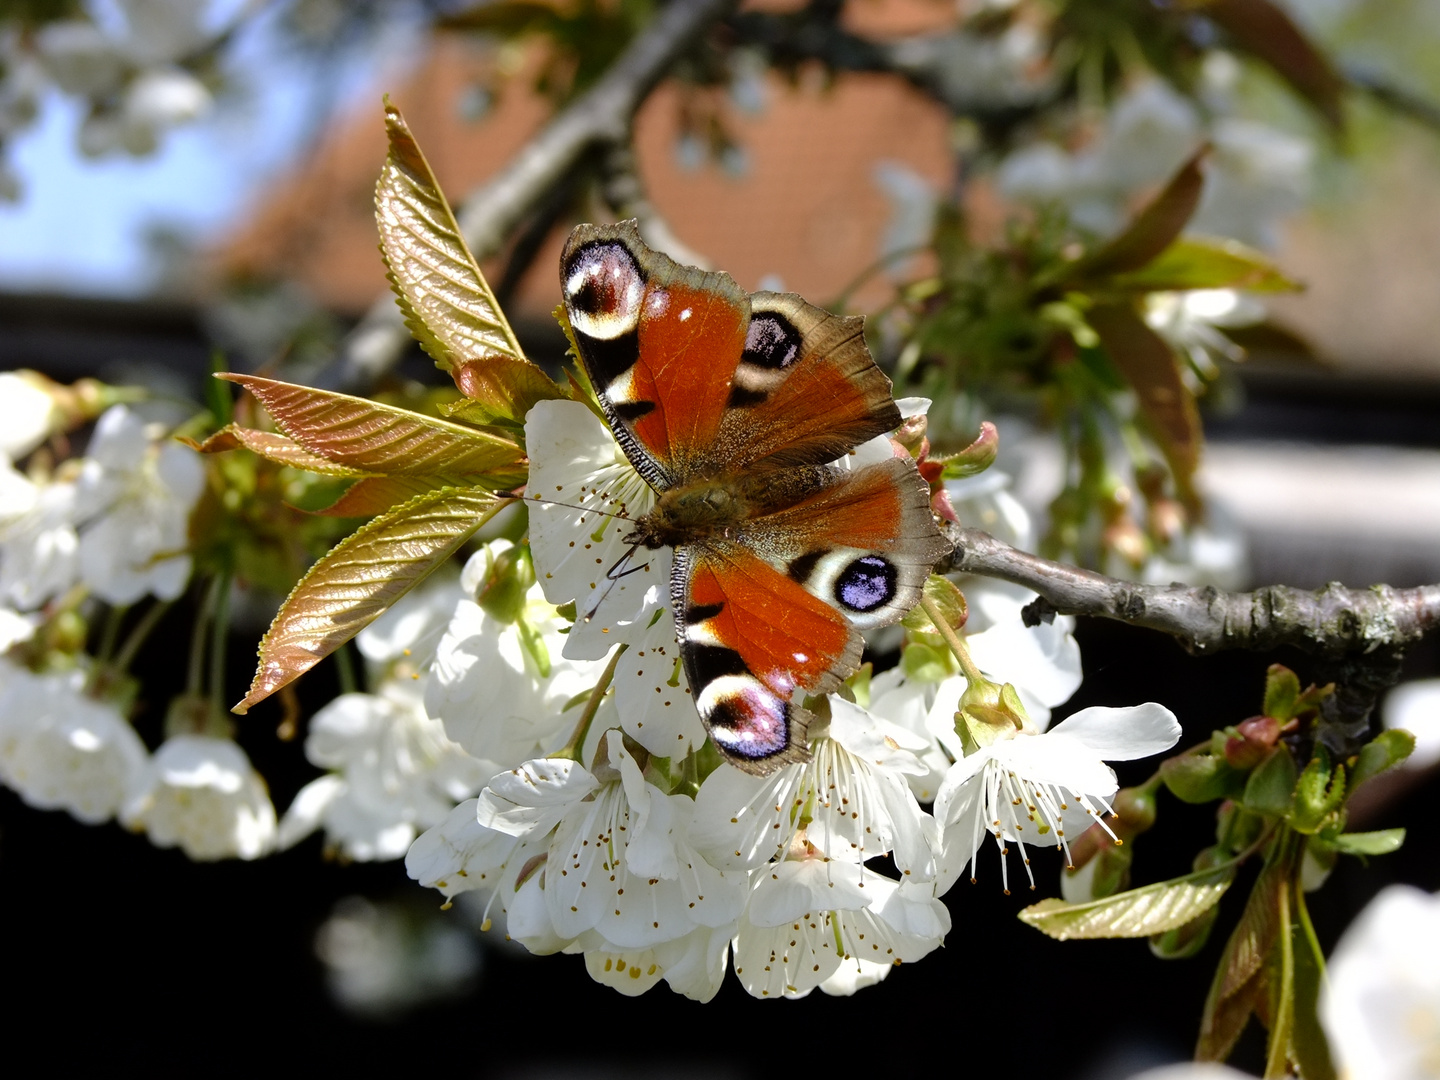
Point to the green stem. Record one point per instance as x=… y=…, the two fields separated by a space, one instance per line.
x=125 y=656
x=957 y=646
x=110 y=634
x=1302 y=912
x=345 y=670
x=195 y=669
x=219 y=640
x=1277 y=1055
x=573 y=747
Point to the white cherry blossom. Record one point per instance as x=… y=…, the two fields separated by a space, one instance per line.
x=28 y=414
x=395 y=773
x=1381 y=1003
x=1043 y=789
x=805 y=927
x=591 y=863
x=135 y=497
x=39 y=548
x=851 y=800
x=201 y=794
x=63 y=750
x=487 y=687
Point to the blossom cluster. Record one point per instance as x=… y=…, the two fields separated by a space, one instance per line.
x=111 y=527
x=131 y=73
x=609 y=829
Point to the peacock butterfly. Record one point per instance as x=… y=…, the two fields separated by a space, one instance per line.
x=734 y=408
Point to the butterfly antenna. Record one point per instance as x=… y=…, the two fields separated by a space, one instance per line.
x=614 y=578
x=520 y=496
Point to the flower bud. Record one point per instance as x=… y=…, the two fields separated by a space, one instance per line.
x=977 y=457
x=1252 y=742
x=1199 y=777
x=508 y=577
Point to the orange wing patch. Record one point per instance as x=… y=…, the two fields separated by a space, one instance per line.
x=691 y=337
x=785 y=637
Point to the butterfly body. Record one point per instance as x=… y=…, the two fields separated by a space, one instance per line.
x=735 y=408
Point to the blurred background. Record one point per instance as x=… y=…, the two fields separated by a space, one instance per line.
x=185 y=177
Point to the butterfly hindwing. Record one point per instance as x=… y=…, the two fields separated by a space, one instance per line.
x=865 y=542
x=753 y=642
x=660 y=342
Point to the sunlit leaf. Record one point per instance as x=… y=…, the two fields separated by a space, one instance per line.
x=362 y=576
x=446 y=301
x=1238 y=983
x=499 y=388
x=378 y=438
x=1153 y=230
x=273 y=447
x=1205 y=263
x=1382 y=842
x=1266 y=32
x=377 y=494
x=1151 y=367
x=1142 y=912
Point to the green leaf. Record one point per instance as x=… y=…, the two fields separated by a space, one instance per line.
x=1185 y=941
x=1271 y=787
x=1382 y=842
x=1282 y=691
x=1205 y=263
x=385 y=439
x=446 y=301
x=1153 y=230
x=1318 y=793
x=1151 y=367
x=1143 y=912
x=362 y=576
x=1199 y=777
x=1385 y=751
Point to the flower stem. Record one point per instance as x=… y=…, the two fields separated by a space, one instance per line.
x=576 y=742
x=957 y=646
x=1282 y=1023
x=125 y=655
x=219 y=640
x=345 y=669
x=195 y=669
x=113 y=618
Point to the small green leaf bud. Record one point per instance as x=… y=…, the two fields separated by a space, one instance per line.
x=1271 y=787
x=1318 y=794
x=1199 y=777
x=1282 y=692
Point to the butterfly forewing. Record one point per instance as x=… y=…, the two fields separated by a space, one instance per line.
x=806 y=390
x=660 y=342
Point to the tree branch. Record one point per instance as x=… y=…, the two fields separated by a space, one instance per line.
x=602 y=114
x=1334 y=622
